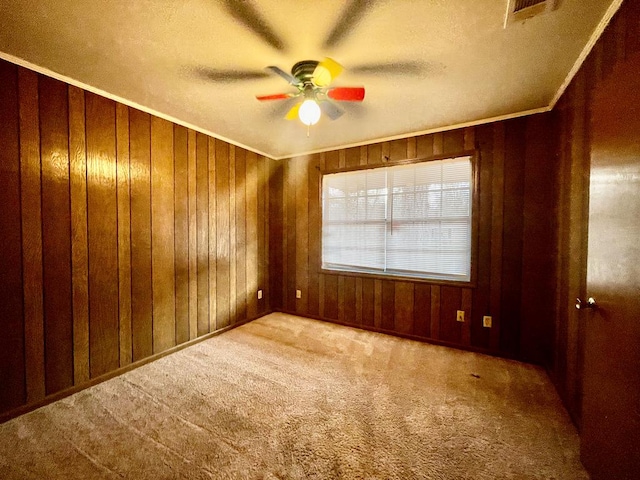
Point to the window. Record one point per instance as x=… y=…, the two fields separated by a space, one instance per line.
x=408 y=220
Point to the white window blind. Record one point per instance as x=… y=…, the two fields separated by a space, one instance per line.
x=410 y=220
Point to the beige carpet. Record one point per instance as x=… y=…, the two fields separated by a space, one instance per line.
x=285 y=398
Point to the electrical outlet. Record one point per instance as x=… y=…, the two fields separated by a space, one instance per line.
x=486 y=321
x=298 y=294
x=460 y=316
x=259 y=294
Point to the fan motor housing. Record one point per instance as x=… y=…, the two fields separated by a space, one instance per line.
x=303 y=70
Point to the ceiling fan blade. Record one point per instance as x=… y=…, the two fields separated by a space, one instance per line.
x=248 y=15
x=293 y=113
x=346 y=94
x=390 y=68
x=326 y=71
x=276 y=96
x=331 y=110
x=218 y=75
x=287 y=76
x=351 y=16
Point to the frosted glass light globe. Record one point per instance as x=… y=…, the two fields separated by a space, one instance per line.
x=309 y=112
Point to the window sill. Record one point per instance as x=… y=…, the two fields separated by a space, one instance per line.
x=400 y=278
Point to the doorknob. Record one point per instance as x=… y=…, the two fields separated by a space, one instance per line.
x=591 y=303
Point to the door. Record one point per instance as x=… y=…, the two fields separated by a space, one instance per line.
x=610 y=436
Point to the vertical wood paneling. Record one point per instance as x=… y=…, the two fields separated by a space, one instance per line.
x=368 y=305
x=512 y=238
x=374 y=152
x=466 y=305
x=12 y=344
x=241 y=234
x=341 y=299
x=276 y=251
x=342 y=159
x=202 y=228
x=232 y=236
x=263 y=227
x=79 y=235
x=110 y=236
x=377 y=303
x=321 y=295
x=252 y=234
x=435 y=312
x=412 y=147
x=102 y=212
x=56 y=234
x=450 y=302
x=481 y=296
x=404 y=303
x=331 y=296
x=332 y=160
x=398 y=149
x=124 y=232
x=538 y=259
x=388 y=305
x=181 y=228
x=363 y=155
x=141 y=294
x=222 y=225
x=413 y=307
x=358 y=306
x=314 y=225
x=422 y=310
x=284 y=241
x=349 y=294
x=352 y=157
x=213 y=230
x=30 y=188
x=385 y=150
x=292 y=247
x=301 y=166
x=193 y=237
x=497 y=227
x=438 y=143
x=424 y=146
x=162 y=235
x=453 y=141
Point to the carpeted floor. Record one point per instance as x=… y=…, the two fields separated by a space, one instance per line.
x=285 y=398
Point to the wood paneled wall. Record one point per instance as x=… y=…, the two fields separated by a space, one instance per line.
x=123 y=236
x=620 y=39
x=515 y=245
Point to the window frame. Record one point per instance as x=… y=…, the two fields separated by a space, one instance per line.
x=475 y=207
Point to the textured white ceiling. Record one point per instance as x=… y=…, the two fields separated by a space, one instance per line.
x=456 y=63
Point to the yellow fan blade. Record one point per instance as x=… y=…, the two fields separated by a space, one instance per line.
x=326 y=71
x=293 y=113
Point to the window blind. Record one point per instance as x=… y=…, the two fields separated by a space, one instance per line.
x=410 y=220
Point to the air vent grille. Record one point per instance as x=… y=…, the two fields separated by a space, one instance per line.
x=519 y=11
x=522 y=4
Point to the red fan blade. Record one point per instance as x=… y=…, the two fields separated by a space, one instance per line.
x=348 y=94
x=277 y=96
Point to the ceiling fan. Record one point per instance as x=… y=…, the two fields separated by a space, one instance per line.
x=312 y=80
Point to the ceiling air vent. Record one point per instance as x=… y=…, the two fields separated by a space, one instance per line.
x=521 y=10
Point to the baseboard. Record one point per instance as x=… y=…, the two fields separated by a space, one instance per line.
x=21 y=410
x=371 y=328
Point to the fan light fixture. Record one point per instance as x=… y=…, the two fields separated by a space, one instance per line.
x=309 y=112
x=311 y=80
